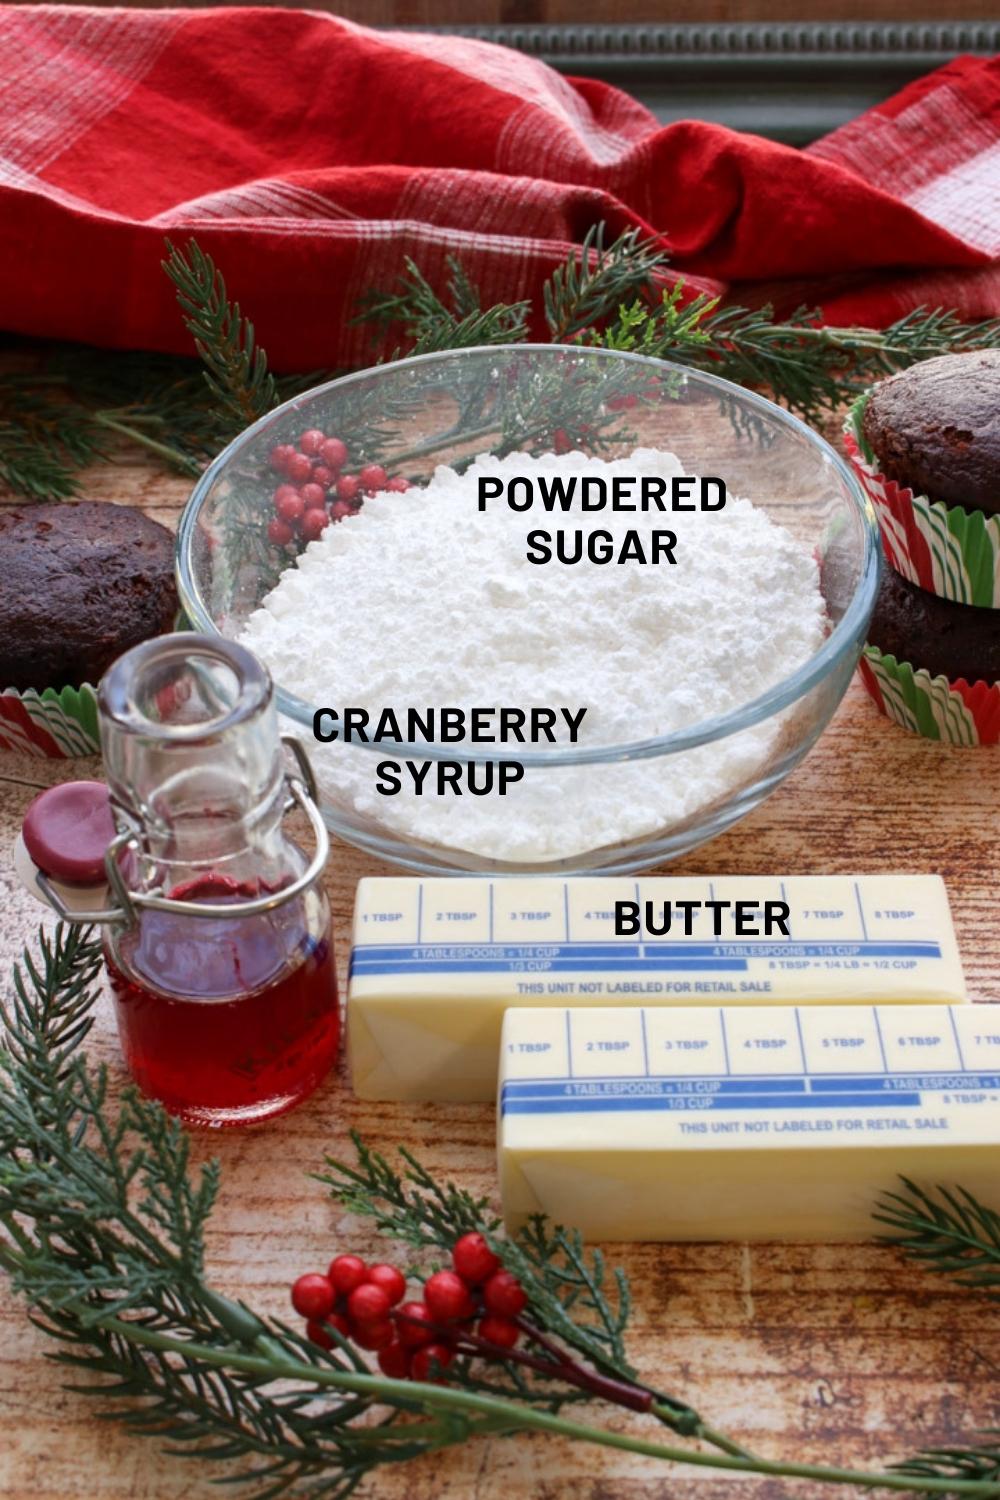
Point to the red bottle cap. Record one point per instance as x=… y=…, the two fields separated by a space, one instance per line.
x=67 y=829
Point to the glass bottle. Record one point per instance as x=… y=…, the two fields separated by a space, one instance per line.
x=221 y=961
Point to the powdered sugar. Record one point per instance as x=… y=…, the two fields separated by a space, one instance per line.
x=422 y=600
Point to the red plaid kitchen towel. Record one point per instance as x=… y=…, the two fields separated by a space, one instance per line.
x=310 y=155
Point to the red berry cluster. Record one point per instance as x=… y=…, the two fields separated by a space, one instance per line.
x=316 y=489
x=478 y=1302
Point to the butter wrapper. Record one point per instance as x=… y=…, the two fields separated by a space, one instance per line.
x=947 y=550
x=55 y=724
x=956 y=713
x=437 y=962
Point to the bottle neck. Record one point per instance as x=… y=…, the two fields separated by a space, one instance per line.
x=247 y=845
x=194 y=763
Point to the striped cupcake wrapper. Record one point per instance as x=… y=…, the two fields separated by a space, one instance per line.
x=956 y=713
x=54 y=725
x=949 y=551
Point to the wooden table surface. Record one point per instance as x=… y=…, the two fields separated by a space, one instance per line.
x=808 y=1352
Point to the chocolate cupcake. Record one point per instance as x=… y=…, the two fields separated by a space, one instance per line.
x=926 y=446
x=936 y=429
x=932 y=665
x=947 y=640
x=83 y=582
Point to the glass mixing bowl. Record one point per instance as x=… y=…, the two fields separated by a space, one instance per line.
x=447 y=408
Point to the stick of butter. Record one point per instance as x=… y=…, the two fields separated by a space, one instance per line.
x=744 y=1123
x=435 y=963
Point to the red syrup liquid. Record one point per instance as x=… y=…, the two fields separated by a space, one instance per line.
x=226 y=1020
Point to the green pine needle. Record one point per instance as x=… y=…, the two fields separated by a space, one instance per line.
x=981 y=1463
x=606 y=296
x=947 y=1230
x=409 y=1205
x=812 y=368
x=236 y=369
x=430 y=324
x=594 y=281
x=84 y=405
x=45 y=437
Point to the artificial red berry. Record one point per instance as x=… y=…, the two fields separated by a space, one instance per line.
x=319 y=1331
x=348 y=487
x=373 y=1335
x=473 y=1259
x=373 y=478
x=394 y=1361
x=299 y=468
x=397 y=484
x=424 y=1359
x=323 y=476
x=346 y=1272
x=340 y=509
x=497 y=1330
x=312 y=441
x=411 y=1320
x=280 y=456
x=504 y=1294
x=334 y=453
x=447 y=1297
x=317 y=1334
x=368 y=1304
x=390 y=1280
x=560 y=440
x=314 y=522
x=313 y=1296
x=288 y=504
x=312 y=496
x=279 y=532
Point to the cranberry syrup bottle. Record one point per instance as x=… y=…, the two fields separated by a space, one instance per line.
x=223 y=970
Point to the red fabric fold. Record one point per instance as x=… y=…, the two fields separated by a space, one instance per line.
x=310 y=155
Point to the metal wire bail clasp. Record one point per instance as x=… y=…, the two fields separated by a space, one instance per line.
x=301 y=793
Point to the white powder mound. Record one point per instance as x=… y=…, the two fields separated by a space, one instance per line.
x=422 y=600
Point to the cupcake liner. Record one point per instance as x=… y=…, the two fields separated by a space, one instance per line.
x=947 y=550
x=957 y=713
x=53 y=724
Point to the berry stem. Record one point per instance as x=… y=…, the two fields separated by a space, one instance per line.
x=561 y=1366
x=625 y=1393
x=673 y=1414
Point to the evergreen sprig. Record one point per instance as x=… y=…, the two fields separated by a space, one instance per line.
x=597 y=279
x=570 y=1292
x=811 y=367
x=68 y=407
x=236 y=369
x=73 y=406
x=430 y=323
x=948 y=1231
x=408 y=1205
x=574 y=1294
x=102 y=1228
x=43 y=441
x=48 y=1016
x=981 y=1463
x=606 y=295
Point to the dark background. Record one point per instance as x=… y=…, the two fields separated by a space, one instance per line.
x=789 y=69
